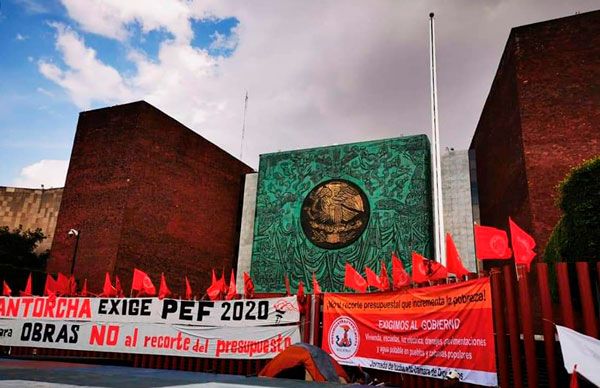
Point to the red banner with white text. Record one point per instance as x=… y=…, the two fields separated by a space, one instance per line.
x=422 y=331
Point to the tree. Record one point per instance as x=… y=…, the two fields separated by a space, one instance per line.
x=17 y=248
x=576 y=236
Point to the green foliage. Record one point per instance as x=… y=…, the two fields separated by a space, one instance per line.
x=17 y=248
x=576 y=237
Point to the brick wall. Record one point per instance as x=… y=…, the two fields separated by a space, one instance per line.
x=559 y=91
x=147 y=192
x=498 y=147
x=32 y=209
x=541 y=118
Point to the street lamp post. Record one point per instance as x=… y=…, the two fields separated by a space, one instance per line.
x=74 y=232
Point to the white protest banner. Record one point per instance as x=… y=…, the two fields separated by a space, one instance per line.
x=581 y=350
x=150 y=338
x=234 y=313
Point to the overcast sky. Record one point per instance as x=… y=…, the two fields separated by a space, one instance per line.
x=316 y=72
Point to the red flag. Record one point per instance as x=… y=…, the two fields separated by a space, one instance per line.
x=215 y=289
x=400 y=277
x=223 y=283
x=72 y=286
x=6 y=291
x=301 y=297
x=436 y=270
x=248 y=286
x=232 y=292
x=354 y=280
x=188 y=289
x=142 y=283
x=372 y=278
x=62 y=285
x=288 y=291
x=163 y=290
x=419 y=268
x=27 y=291
x=491 y=243
x=425 y=270
x=315 y=285
x=50 y=288
x=84 y=290
x=574 y=383
x=119 y=290
x=383 y=278
x=522 y=244
x=300 y=292
x=108 y=291
x=453 y=262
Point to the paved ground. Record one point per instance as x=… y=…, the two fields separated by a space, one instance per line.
x=51 y=374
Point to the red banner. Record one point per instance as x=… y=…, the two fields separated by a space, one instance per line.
x=423 y=331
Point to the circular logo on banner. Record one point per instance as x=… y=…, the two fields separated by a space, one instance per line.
x=334 y=214
x=343 y=337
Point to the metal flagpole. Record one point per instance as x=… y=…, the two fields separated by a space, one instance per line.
x=439 y=240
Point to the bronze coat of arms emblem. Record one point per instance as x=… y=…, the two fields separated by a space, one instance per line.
x=334 y=214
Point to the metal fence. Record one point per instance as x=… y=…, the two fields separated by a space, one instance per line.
x=526 y=305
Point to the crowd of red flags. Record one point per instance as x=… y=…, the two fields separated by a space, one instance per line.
x=141 y=285
x=490 y=244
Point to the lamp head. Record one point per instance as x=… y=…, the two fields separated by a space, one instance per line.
x=73 y=232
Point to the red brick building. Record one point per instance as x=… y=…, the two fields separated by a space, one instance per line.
x=145 y=191
x=541 y=118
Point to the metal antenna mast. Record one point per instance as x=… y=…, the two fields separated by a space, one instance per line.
x=244 y=125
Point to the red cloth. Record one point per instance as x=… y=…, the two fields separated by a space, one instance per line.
x=400 y=277
x=223 y=283
x=50 y=288
x=315 y=285
x=300 y=293
x=301 y=297
x=72 y=286
x=522 y=244
x=354 y=280
x=436 y=270
x=163 y=289
x=232 y=292
x=215 y=289
x=188 y=289
x=118 y=288
x=108 y=291
x=27 y=291
x=372 y=278
x=419 y=268
x=6 y=291
x=84 y=290
x=574 y=383
x=62 y=285
x=383 y=277
x=491 y=243
x=453 y=262
x=142 y=283
x=248 y=286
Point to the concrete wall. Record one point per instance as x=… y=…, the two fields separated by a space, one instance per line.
x=246 y=230
x=31 y=208
x=147 y=192
x=458 y=212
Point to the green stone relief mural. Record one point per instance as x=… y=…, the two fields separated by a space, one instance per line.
x=317 y=209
